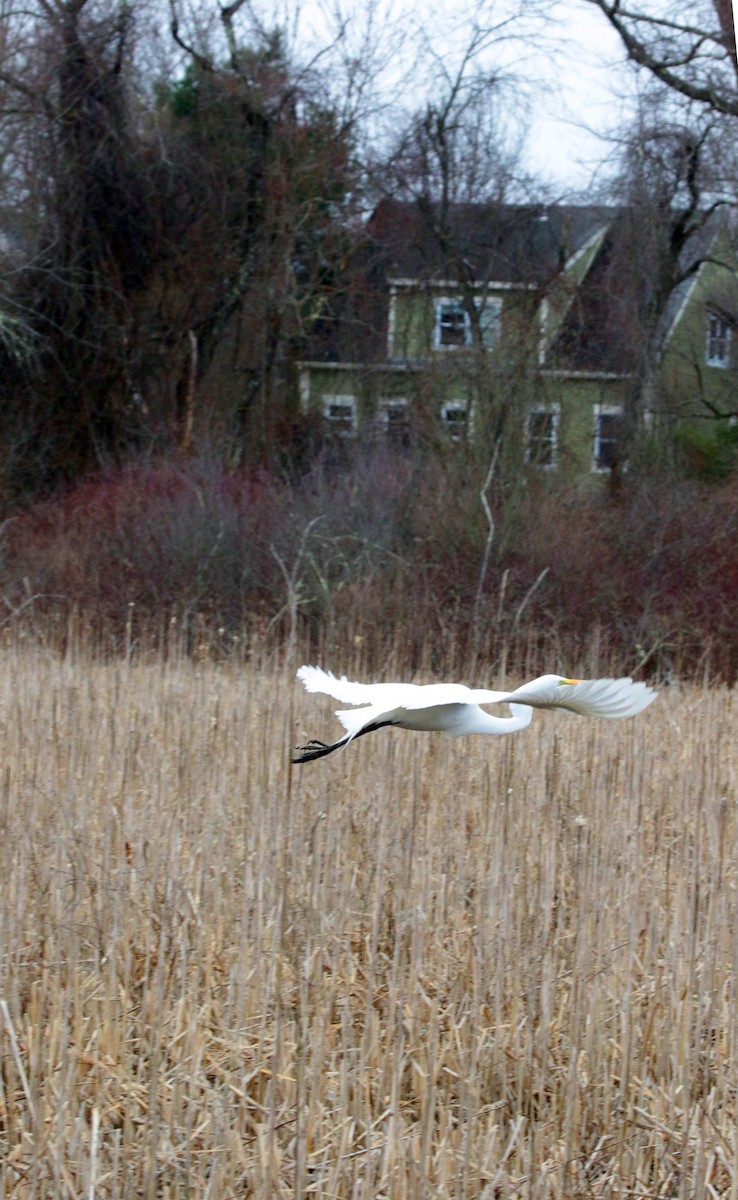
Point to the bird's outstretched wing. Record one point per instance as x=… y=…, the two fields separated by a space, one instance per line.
x=388 y=696
x=591 y=697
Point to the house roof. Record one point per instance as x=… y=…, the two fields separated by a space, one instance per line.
x=491 y=243
x=703 y=243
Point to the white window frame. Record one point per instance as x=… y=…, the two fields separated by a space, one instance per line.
x=336 y=423
x=717 y=342
x=543 y=318
x=448 y=302
x=490 y=313
x=602 y=410
x=391 y=321
x=457 y=431
x=549 y=410
x=490 y=319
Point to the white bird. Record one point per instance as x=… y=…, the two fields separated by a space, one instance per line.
x=454 y=710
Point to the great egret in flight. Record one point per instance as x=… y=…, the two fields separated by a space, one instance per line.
x=452 y=709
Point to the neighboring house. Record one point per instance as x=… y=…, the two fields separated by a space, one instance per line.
x=699 y=369
x=514 y=317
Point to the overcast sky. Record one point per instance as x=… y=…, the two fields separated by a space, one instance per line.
x=591 y=88
x=584 y=82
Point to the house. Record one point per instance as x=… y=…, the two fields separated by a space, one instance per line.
x=526 y=320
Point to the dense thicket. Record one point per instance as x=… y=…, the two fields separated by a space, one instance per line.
x=388 y=554
x=168 y=243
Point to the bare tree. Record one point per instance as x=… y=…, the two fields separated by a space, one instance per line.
x=457 y=165
x=81 y=199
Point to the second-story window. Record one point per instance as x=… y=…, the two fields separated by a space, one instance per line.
x=717 y=350
x=452 y=324
x=490 y=316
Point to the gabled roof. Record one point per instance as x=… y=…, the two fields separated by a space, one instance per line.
x=595 y=334
x=704 y=243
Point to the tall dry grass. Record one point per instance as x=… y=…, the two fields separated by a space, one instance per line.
x=486 y=968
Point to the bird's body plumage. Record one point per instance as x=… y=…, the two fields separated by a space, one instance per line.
x=454 y=710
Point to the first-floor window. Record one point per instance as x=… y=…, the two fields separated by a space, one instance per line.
x=608 y=437
x=455 y=417
x=340 y=415
x=394 y=420
x=541 y=436
x=717 y=351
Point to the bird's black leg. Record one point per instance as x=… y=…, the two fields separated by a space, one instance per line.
x=316 y=749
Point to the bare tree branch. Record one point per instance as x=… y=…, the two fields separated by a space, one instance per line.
x=708 y=51
x=202 y=60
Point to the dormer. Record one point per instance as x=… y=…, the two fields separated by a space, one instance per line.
x=437 y=319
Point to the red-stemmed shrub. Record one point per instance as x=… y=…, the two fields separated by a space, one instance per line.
x=385 y=549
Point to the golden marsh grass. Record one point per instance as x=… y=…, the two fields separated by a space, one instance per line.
x=419 y=968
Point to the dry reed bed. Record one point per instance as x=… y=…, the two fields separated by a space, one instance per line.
x=487 y=968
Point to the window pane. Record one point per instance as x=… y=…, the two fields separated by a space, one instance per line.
x=718 y=341
x=609 y=426
x=395 y=421
x=451 y=325
x=454 y=417
x=540 y=454
x=340 y=415
x=608 y=432
x=540 y=425
x=607 y=454
x=489 y=321
x=541 y=444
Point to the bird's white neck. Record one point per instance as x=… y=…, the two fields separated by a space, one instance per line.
x=482 y=722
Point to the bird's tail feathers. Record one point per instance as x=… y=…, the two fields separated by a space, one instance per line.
x=354 y=719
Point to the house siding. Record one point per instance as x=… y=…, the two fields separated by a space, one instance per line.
x=427 y=392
